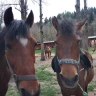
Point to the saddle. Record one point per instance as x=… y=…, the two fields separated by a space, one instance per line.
x=86 y=63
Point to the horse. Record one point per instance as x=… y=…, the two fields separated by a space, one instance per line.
x=18 y=55
x=93 y=45
x=47 y=52
x=73 y=66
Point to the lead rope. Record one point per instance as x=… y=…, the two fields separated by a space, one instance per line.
x=84 y=93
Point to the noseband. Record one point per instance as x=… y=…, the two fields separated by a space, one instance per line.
x=70 y=61
x=19 y=78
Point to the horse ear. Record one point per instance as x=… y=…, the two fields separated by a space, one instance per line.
x=55 y=22
x=30 y=19
x=80 y=24
x=8 y=16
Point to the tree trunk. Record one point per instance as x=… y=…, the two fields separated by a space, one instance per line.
x=23 y=6
x=41 y=32
x=77 y=7
x=85 y=33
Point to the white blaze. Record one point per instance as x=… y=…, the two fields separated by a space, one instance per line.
x=23 y=41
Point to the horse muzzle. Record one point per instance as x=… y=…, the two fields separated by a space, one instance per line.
x=26 y=93
x=69 y=83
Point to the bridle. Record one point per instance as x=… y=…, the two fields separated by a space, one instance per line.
x=19 y=78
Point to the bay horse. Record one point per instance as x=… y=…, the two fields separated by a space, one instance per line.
x=47 y=52
x=18 y=55
x=72 y=65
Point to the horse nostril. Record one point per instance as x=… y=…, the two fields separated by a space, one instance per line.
x=24 y=92
x=76 y=78
x=69 y=82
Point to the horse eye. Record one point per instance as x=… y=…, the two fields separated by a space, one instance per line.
x=8 y=46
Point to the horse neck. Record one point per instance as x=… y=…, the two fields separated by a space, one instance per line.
x=3 y=64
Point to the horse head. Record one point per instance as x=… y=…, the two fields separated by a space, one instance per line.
x=67 y=51
x=20 y=52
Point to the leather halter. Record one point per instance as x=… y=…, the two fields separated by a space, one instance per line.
x=19 y=78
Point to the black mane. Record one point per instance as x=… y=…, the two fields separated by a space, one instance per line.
x=67 y=27
x=17 y=28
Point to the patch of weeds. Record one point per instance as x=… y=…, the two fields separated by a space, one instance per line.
x=92 y=86
x=12 y=91
x=44 y=75
x=43 y=67
x=48 y=90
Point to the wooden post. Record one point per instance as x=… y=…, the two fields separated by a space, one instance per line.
x=41 y=33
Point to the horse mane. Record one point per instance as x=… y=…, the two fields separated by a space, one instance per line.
x=67 y=27
x=17 y=28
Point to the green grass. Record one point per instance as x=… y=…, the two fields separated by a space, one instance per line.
x=45 y=76
x=37 y=51
x=48 y=90
x=92 y=86
x=12 y=91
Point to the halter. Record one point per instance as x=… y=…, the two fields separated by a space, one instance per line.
x=74 y=62
x=19 y=78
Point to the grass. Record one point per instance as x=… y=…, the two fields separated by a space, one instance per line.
x=92 y=86
x=12 y=91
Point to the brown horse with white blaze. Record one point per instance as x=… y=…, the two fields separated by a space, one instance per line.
x=72 y=65
x=20 y=54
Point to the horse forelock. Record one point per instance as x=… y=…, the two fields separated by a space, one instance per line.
x=17 y=28
x=67 y=27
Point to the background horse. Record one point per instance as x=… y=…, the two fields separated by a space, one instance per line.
x=19 y=55
x=93 y=45
x=47 y=52
x=72 y=65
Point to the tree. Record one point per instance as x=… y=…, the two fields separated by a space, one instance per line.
x=23 y=6
x=41 y=32
x=77 y=7
x=46 y=20
x=91 y=17
x=85 y=32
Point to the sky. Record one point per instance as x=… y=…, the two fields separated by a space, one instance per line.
x=52 y=8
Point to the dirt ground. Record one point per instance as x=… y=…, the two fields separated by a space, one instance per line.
x=38 y=63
